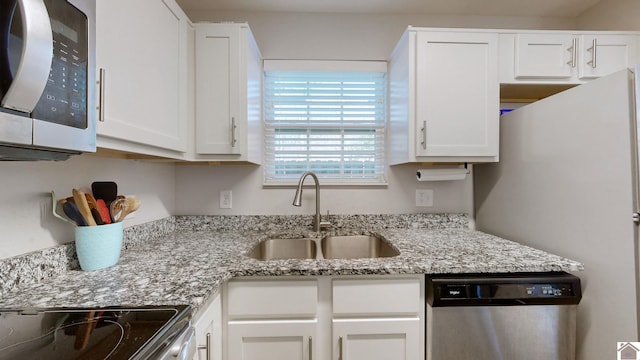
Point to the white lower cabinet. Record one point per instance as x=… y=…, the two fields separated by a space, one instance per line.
x=378 y=318
x=325 y=318
x=271 y=340
x=271 y=319
x=377 y=339
x=208 y=324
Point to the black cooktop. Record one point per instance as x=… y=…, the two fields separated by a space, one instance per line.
x=101 y=333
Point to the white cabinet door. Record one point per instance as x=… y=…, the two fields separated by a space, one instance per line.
x=204 y=341
x=145 y=72
x=378 y=318
x=457 y=94
x=228 y=93
x=564 y=57
x=602 y=55
x=271 y=319
x=217 y=89
x=208 y=335
x=380 y=339
x=545 y=56
x=271 y=340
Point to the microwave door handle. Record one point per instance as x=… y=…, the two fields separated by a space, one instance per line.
x=35 y=62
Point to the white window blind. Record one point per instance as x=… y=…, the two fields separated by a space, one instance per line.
x=328 y=122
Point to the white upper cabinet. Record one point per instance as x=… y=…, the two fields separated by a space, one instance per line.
x=444 y=97
x=143 y=99
x=228 y=80
x=564 y=57
x=605 y=54
x=544 y=56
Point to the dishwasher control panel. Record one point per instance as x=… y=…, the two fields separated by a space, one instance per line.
x=551 y=290
x=503 y=289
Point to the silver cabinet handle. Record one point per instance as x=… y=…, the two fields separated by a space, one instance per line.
x=207 y=346
x=310 y=348
x=574 y=53
x=594 y=54
x=102 y=76
x=32 y=75
x=233 y=132
x=340 y=348
x=423 y=131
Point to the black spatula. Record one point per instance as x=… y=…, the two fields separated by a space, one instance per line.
x=105 y=190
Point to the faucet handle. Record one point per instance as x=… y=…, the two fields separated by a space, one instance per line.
x=326 y=223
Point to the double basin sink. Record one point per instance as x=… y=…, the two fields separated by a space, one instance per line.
x=331 y=247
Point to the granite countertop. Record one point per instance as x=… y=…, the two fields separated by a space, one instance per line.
x=188 y=264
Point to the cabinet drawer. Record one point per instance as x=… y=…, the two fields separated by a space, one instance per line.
x=262 y=299
x=399 y=296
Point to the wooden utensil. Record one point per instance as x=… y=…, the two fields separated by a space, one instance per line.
x=122 y=207
x=117 y=209
x=84 y=331
x=93 y=206
x=83 y=206
x=133 y=204
x=91 y=201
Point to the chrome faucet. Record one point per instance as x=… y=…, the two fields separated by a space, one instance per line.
x=297 y=201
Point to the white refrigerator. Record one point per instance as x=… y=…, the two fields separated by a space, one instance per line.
x=567 y=183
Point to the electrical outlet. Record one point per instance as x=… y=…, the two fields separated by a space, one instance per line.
x=424 y=197
x=225 y=199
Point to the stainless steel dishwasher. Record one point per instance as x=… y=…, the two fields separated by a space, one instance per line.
x=523 y=316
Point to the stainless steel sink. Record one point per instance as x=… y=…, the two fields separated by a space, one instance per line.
x=279 y=249
x=356 y=247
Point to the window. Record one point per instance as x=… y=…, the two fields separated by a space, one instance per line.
x=331 y=122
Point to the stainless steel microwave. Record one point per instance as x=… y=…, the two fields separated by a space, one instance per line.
x=47 y=79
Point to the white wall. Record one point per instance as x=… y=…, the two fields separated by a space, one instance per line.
x=612 y=15
x=198 y=187
x=26 y=223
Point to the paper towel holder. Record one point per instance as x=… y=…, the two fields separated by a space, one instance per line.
x=442 y=174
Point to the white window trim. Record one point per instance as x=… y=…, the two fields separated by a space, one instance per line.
x=328 y=65
x=325 y=65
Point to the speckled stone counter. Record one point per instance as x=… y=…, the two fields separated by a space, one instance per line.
x=189 y=263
